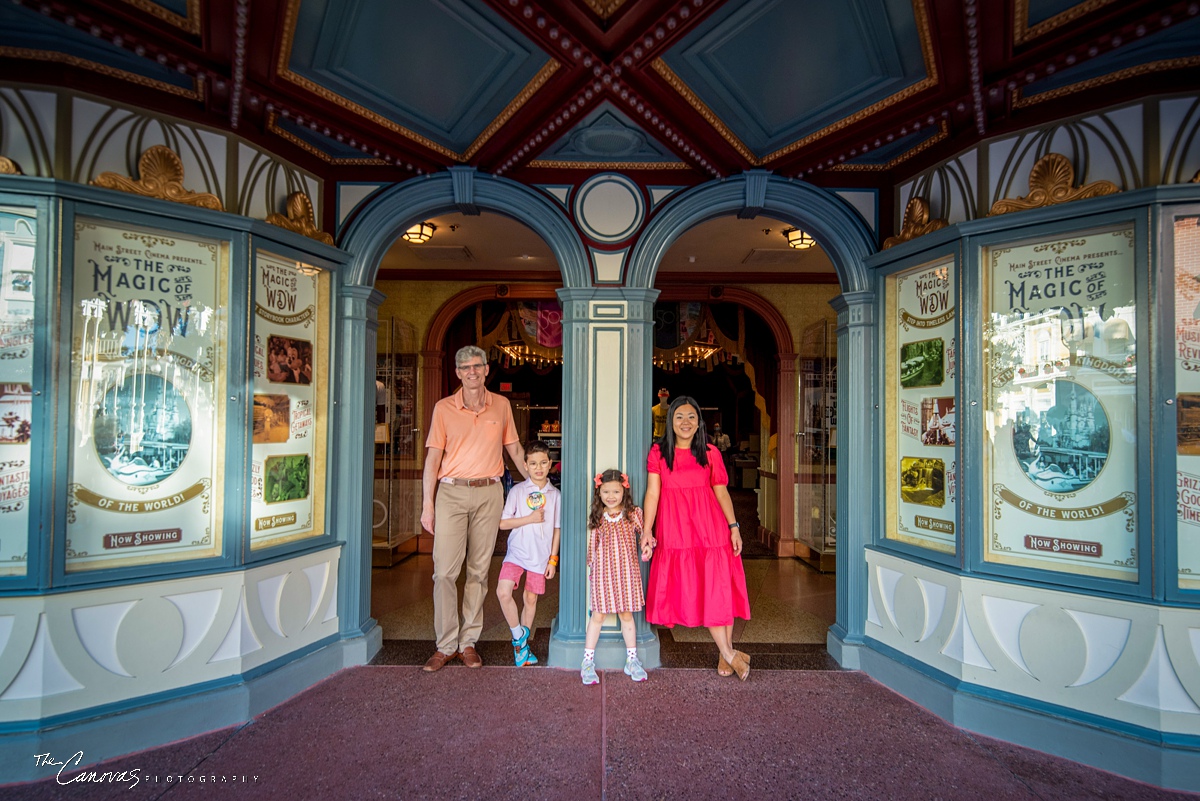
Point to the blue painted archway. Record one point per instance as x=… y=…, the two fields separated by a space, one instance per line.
x=848 y=242
x=460 y=189
x=838 y=229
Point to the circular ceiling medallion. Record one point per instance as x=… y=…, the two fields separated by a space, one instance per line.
x=609 y=207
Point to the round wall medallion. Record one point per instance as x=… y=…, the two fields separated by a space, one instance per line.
x=609 y=207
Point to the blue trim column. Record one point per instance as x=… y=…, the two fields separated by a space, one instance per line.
x=857 y=471
x=607 y=337
x=353 y=469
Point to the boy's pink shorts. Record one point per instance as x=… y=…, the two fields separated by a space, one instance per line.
x=534 y=582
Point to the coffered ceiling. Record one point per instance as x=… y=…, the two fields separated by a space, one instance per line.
x=854 y=92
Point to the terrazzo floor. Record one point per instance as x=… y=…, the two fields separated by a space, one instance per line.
x=519 y=733
x=799 y=728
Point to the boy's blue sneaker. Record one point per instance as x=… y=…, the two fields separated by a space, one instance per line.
x=634 y=669
x=588 y=672
x=521 y=654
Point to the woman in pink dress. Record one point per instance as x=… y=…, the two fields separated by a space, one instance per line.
x=696 y=577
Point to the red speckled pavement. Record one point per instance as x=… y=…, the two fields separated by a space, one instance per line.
x=537 y=733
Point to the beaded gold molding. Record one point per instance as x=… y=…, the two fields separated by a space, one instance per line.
x=300 y=218
x=9 y=167
x=160 y=173
x=916 y=223
x=1052 y=181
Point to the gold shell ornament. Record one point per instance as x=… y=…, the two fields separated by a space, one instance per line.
x=160 y=173
x=300 y=218
x=1052 y=181
x=916 y=223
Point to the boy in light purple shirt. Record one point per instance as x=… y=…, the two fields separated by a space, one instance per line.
x=533 y=513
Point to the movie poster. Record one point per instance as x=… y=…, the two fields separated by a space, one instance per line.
x=1060 y=404
x=148 y=357
x=1187 y=400
x=924 y=432
x=287 y=453
x=18 y=244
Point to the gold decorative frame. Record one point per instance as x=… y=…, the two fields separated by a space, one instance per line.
x=284 y=71
x=604 y=8
x=920 y=16
x=1023 y=31
x=1021 y=100
x=300 y=218
x=1052 y=181
x=195 y=93
x=925 y=144
x=916 y=223
x=189 y=23
x=273 y=127
x=9 y=167
x=161 y=172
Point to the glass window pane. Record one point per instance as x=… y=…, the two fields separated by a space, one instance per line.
x=1060 y=404
x=147 y=397
x=923 y=407
x=18 y=245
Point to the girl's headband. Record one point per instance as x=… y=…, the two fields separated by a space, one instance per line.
x=624 y=480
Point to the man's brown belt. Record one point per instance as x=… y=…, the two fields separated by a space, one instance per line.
x=470 y=482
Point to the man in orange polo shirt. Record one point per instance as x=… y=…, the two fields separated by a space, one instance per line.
x=469 y=433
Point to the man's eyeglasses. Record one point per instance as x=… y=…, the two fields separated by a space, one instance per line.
x=471 y=368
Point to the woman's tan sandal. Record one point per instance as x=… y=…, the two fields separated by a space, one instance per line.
x=723 y=667
x=741 y=665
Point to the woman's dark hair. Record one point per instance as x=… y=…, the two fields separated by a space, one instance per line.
x=627 y=506
x=699 y=449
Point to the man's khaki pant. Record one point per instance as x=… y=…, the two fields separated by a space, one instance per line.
x=465 y=523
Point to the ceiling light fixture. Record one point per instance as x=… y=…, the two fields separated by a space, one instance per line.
x=420 y=233
x=798 y=239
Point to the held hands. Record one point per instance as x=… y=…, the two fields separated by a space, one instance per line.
x=648 y=544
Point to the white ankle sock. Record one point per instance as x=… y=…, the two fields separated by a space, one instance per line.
x=631 y=653
x=589 y=654
x=517 y=632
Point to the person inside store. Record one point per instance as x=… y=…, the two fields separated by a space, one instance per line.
x=696 y=574
x=462 y=500
x=658 y=414
x=721 y=440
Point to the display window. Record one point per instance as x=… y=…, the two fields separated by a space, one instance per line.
x=147 y=412
x=1060 y=403
x=291 y=354
x=18 y=247
x=922 y=428
x=1187 y=400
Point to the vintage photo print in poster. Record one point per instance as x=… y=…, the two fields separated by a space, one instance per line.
x=922 y=506
x=146 y=418
x=1061 y=405
x=285 y=442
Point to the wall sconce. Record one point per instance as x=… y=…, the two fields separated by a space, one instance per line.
x=798 y=239
x=420 y=233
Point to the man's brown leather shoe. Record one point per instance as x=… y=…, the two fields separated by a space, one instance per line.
x=438 y=661
x=470 y=657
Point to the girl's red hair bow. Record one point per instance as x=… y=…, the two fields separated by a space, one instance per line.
x=624 y=480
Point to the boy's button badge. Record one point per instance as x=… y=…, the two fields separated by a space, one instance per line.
x=535 y=500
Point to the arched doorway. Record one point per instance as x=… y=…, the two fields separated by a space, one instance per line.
x=369 y=236
x=847 y=241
